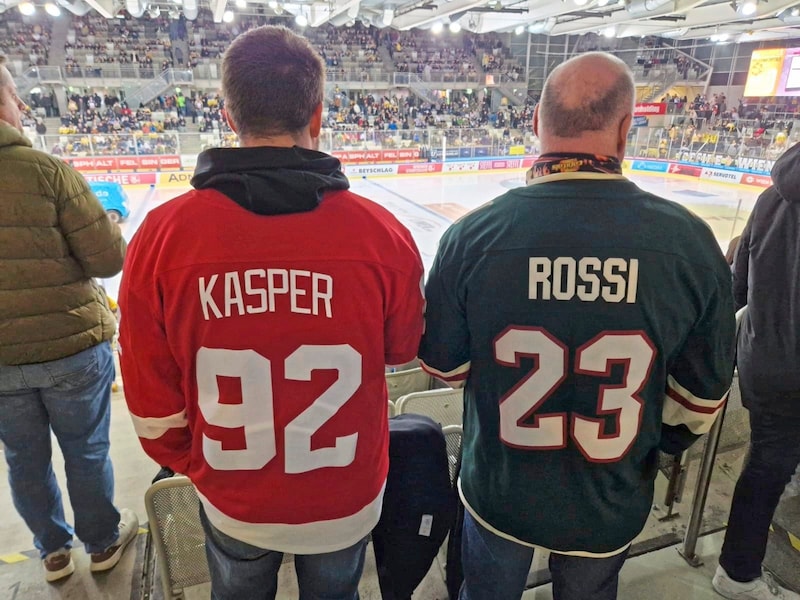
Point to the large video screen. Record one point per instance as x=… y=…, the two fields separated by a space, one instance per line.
x=774 y=72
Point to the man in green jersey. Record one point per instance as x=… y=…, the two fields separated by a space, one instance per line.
x=592 y=325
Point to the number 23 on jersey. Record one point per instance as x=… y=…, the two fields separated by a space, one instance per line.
x=549 y=431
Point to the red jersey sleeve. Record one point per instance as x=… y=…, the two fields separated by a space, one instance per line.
x=403 y=324
x=152 y=377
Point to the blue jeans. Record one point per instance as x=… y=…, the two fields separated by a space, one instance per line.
x=497 y=569
x=239 y=570
x=773 y=457
x=71 y=396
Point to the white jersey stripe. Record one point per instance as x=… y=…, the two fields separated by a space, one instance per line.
x=301 y=538
x=679 y=413
x=152 y=428
x=455 y=378
x=690 y=400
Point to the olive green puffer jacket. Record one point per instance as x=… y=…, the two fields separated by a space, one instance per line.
x=54 y=238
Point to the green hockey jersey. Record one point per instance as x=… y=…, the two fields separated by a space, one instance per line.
x=591 y=323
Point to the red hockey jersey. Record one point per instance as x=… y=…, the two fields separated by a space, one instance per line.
x=253 y=354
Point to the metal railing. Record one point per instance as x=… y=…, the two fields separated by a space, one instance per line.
x=708 y=145
x=110 y=144
x=703 y=144
x=434 y=78
x=35 y=76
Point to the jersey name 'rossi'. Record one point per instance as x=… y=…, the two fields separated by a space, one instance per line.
x=257 y=291
x=588 y=278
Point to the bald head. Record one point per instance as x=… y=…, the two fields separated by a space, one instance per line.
x=584 y=98
x=5 y=76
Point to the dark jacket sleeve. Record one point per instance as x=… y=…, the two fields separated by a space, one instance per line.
x=741 y=264
x=94 y=241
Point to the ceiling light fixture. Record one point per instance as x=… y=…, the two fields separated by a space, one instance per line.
x=272 y=4
x=519 y=29
x=795 y=12
x=241 y=3
x=455 y=27
x=749 y=8
x=26 y=8
x=437 y=27
x=227 y=16
x=301 y=20
x=52 y=9
x=609 y=32
x=388 y=16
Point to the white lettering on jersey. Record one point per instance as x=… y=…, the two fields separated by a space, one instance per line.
x=613 y=279
x=257 y=291
x=206 y=300
x=251 y=290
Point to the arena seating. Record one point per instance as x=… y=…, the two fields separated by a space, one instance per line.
x=25 y=41
x=93 y=41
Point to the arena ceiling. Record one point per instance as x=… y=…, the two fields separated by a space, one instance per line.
x=734 y=20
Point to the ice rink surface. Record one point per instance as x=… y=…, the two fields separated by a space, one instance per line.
x=428 y=204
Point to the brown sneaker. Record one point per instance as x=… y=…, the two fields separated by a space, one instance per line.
x=108 y=558
x=58 y=565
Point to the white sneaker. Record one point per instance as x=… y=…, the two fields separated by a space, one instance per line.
x=763 y=588
x=128 y=528
x=58 y=565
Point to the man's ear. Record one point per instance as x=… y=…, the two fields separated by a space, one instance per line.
x=622 y=135
x=315 y=125
x=229 y=121
x=536 y=120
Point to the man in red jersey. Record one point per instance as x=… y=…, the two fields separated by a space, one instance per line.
x=259 y=311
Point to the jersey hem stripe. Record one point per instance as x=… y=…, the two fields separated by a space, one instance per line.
x=511 y=538
x=152 y=428
x=460 y=373
x=317 y=537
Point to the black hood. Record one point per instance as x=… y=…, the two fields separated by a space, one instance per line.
x=270 y=180
x=786 y=174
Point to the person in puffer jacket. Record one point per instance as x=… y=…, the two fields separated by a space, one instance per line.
x=56 y=365
x=766 y=278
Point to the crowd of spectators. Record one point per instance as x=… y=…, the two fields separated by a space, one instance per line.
x=337 y=45
x=104 y=125
x=712 y=127
x=419 y=52
x=25 y=39
x=94 y=41
x=149 y=45
x=108 y=126
x=393 y=113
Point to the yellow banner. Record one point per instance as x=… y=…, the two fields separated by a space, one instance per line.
x=764 y=73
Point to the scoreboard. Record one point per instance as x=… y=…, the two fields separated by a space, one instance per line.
x=774 y=72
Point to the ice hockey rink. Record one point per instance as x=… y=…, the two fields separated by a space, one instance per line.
x=427 y=205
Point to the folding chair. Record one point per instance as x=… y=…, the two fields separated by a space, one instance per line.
x=172 y=511
x=445 y=406
x=404 y=382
